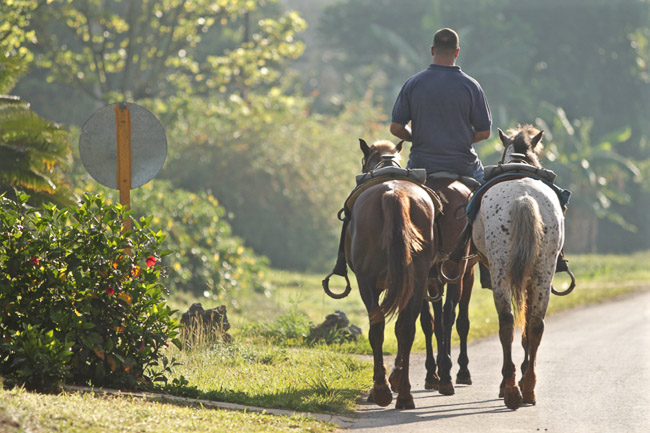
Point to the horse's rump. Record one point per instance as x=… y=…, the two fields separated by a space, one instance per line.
x=527 y=230
x=401 y=240
x=391 y=232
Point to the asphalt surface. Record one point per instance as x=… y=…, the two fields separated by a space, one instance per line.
x=593 y=375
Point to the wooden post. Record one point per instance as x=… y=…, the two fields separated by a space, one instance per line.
x=123 y=122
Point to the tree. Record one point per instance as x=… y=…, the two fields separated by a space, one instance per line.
x=596 y=173
x=162 y=50
x=32 y=150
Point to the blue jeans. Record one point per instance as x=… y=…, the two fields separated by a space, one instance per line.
x=478 y=172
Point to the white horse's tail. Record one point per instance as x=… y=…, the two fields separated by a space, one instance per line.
x=527 y=229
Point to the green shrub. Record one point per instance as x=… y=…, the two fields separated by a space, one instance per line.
x=73 y=276
x=38 y=358
x=206 y=259
x=282 y=172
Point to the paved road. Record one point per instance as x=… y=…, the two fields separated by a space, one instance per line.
x=593 y=376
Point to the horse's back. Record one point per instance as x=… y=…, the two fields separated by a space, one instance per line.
x=492 y=229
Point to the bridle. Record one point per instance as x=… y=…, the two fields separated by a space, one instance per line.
x=385 y=160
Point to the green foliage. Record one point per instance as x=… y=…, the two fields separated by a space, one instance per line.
x=33 y=152
x=593 y=168
x=205 y=258
x=163 y=49
x=71 y=276
x=37 y=357
x=290 y=329
x=14 y=32
x=282 y=172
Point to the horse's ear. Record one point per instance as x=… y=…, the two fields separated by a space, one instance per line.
x=503 y=137
x=364 y=146
x=398 y=148
x=536 y=139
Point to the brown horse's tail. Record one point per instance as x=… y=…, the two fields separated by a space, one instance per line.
x=527 y=229
x=401 y=239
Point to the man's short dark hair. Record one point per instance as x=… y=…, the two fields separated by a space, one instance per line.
x=445 y=41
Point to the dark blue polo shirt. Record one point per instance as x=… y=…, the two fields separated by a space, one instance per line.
x=445 y=107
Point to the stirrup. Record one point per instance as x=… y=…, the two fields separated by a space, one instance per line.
x=326 y=286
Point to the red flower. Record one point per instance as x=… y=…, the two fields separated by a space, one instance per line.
x=151 y=260
x=110 y=291
x=142 y=346
x=34 y=261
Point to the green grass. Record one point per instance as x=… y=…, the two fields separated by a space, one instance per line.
x=22 y=411
x=599 y=277
x=269 y=365
x=268 y=375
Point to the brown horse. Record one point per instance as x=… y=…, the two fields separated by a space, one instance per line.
x=454 y=195
x=389 y=245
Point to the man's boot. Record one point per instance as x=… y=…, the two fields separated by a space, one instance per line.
x=486 y=279
x=562 y=263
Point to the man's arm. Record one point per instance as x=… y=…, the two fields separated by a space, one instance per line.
x=403 y=132
x=478 y=135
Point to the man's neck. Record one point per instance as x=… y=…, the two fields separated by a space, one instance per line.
x=444 y=61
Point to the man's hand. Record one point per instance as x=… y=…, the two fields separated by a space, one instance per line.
x=403 y=132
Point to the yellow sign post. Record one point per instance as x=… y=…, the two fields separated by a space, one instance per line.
x=123 y=134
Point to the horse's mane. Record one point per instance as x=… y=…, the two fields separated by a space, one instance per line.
x=384 y=146
x=521 y=137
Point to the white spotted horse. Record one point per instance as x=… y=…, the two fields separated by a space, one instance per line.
x=519 y=233
x=389 y=244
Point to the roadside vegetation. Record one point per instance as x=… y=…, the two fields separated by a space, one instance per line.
x=262 y=114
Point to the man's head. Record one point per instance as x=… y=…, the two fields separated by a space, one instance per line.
x=445 y=46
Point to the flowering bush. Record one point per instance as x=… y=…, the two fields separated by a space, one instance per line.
x=72 y=276
x=206 y=258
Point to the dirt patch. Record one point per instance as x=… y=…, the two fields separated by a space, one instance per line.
x=8 y=425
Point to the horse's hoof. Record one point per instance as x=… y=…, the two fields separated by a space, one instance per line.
x=431 y=384
x=394 y=379
x=446 y=389
x=513 y=398
x=405 y=403
x=380 y=395
x=463 y=378
x=529 y=397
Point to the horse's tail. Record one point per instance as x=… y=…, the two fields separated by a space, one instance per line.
x=401 y=239
x=527 y=229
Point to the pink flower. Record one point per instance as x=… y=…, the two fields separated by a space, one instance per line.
x=110 y=291
x=151 y=260
x=34 y=261
x=142 y=346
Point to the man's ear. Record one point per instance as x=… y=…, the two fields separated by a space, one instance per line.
x=364 y=147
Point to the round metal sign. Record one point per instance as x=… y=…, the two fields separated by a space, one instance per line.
x=98 y=148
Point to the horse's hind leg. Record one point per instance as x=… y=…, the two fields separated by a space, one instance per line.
x=405 y=333
x=426 y=321
x=508 y=389
x=534 y=331
x=444 y=350
x=462 y=327
x=380 y=392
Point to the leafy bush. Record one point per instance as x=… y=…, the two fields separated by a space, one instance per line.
x=38 y=358
x=72 y=276
x=282 y=172
x=206 y=258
